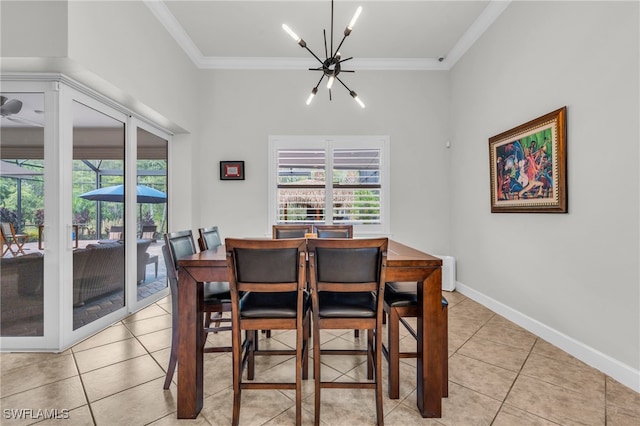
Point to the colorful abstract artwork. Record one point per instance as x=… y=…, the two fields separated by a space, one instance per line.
x=528 y=166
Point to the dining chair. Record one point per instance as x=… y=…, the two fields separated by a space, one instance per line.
x=290 y=230
x=209 y=238
x=400 y=302
x=334 y=231
x=347 y=279
x=11 y=238
x=268 y=291
x=217 y=298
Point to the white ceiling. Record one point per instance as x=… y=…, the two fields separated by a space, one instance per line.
x=392 y=34
x=248 y=34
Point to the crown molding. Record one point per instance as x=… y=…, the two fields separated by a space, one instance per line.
x=473 y=33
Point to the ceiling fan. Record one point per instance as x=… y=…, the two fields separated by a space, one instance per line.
x=332 y=65
x=10 y=107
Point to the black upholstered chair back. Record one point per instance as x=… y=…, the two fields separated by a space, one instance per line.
x=265 y=262
x=209 y=238
x=291 y=231
x=180 y=244
x=265 y=265
x=348 y=265
x=334 y=231
x=347 y=261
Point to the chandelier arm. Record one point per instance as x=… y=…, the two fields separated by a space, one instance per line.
x=326 y=53
x=342 y=82
x=347 y=70
x=319 y=81
x=314 y=55
x=333 y=54
x=343 y=60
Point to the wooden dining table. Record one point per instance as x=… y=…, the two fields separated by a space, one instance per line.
x=403 y=264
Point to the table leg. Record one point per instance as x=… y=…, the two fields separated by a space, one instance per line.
x=429 y=380
x=190 y=359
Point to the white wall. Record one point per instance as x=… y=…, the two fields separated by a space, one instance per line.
x=33 y=29
x=573 y=276
x=144 y=69
x=240 y=109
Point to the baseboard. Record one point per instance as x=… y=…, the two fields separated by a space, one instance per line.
x=613 y=368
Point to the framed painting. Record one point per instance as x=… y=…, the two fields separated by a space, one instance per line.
x=232 y=170
x=528 y=166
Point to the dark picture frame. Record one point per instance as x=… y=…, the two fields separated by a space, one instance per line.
x=528 y=166
x=232 y=170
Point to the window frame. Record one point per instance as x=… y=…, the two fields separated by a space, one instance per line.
x=328 y=144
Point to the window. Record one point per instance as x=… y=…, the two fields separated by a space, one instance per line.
x=332 y=180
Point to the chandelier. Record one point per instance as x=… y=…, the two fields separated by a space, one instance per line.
x=331 y=67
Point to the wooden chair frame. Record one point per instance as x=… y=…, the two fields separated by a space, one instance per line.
x=373 y=325
x=213 y=309
x=391 y=351
x=10 y=238
x=245 y=351
x=334 y=231
x=209 y=237
x=299 y=230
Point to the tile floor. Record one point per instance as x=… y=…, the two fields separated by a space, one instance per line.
x=499 y=374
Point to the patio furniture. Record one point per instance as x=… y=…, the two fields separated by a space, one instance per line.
x=148 y=232
x=98 y=269
x=11 y=238
x=21 y=295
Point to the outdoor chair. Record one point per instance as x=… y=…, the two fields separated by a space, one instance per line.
x=11 y=238
x=216 y=297
x=291 y=230
x=347 y=282
x=116 y=233
x=400 y=302
x=148 y=232
x=268 y=291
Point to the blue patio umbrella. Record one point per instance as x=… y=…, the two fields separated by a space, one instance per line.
x=115 y=193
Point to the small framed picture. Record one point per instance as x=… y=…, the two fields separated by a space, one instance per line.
x=232 y=170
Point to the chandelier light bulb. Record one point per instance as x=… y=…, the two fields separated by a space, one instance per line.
x=330 y=82
x=291 y=33
x=354 y=95
x=355 y=17
x=313 y=93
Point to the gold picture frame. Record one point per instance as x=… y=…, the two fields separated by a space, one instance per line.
x=528 y=166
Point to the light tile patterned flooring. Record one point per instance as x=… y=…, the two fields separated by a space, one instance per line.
x=499 y=374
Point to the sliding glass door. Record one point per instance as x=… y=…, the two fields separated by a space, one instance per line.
x=82 y=248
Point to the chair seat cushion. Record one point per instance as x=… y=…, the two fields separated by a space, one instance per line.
x=403 y=294
x=346 y=305
x=271 y=305
x=217 y=292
